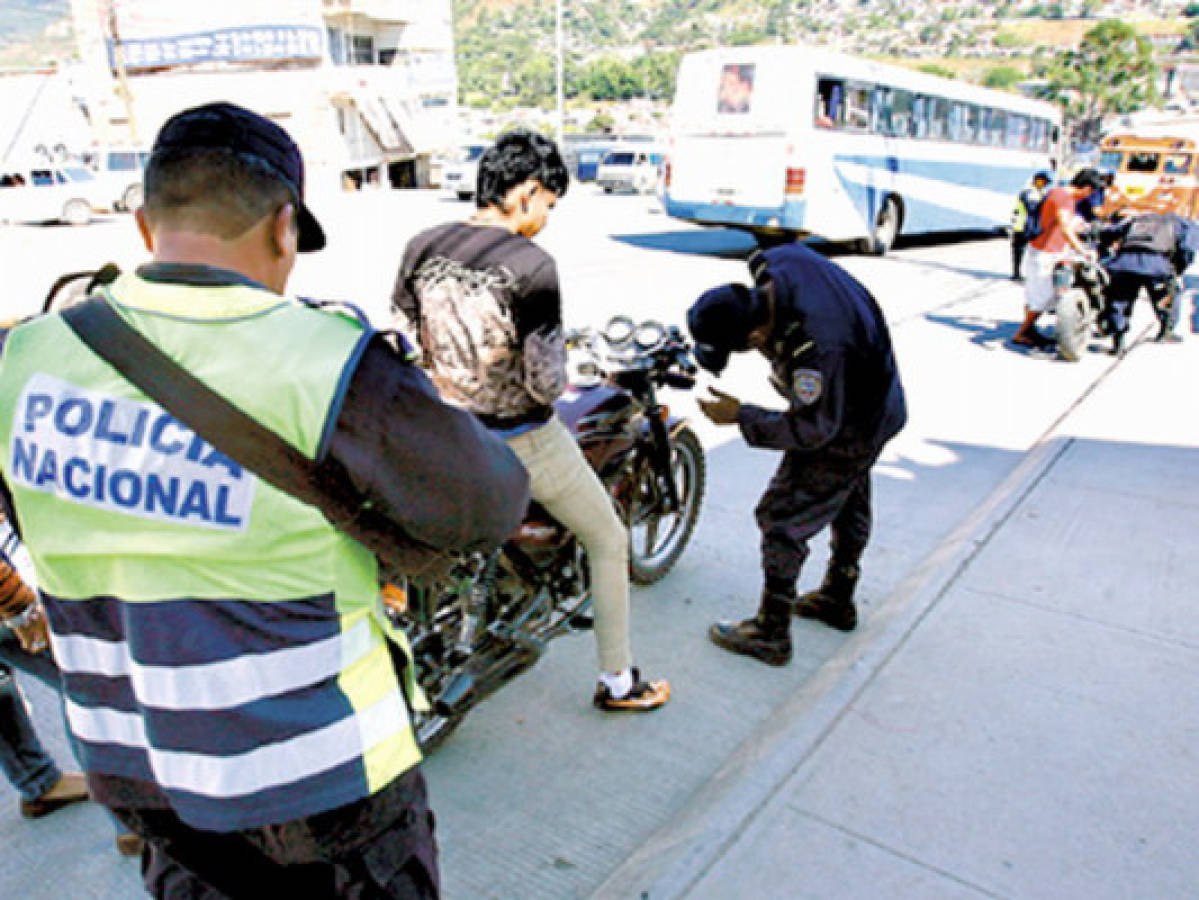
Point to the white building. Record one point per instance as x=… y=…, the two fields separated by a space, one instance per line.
x=368 y=88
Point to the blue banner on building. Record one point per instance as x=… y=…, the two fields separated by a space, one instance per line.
x=246 y=43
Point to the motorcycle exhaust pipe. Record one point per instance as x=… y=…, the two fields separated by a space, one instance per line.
x=459 y=695
x=478 y=678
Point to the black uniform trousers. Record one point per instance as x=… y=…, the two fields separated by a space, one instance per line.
x=1019 y=243
x=1122 y=293
x=379 y=847
x=807 y=493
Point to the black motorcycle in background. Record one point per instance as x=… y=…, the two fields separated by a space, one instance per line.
x=490 y=617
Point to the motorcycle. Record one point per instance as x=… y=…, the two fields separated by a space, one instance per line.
x=491 y=616
x=1078 y=289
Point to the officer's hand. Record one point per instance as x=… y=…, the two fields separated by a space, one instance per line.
x=723 y=409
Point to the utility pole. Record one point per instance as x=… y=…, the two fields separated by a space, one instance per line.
x=558 y=71
x=118 y=55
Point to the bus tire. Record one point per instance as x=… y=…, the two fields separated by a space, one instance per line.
x=886 y=228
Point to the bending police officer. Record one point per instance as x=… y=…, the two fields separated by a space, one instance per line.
x=831 y=359
x=1152 y=250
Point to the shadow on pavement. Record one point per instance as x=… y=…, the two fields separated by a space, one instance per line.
x=736 y=243
x=539 y=795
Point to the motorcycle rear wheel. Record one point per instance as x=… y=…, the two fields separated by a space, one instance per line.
x=656 y=538
x=1074 y=323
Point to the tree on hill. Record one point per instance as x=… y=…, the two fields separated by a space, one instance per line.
x=1002 y=77
x=1112 y=71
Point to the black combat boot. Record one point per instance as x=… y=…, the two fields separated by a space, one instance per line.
x=832 y=603
x=767 y=636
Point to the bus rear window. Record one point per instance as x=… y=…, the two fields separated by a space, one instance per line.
x=1177 y=164
x=1110 y=160
x=830 y=103
x=1140 y=161
x=736 y=88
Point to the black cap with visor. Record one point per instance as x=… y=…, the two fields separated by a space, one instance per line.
x=225 y=126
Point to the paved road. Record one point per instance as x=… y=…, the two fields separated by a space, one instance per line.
x=537 y=794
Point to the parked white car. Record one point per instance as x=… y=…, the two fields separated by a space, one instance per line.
x=44 y=193
x=120 y=170
x=630 y=169
x=460 y=175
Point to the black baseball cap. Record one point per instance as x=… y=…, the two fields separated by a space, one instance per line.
x=236 y=129
x=720 y=322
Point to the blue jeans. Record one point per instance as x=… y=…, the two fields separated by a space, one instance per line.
x=26 y=764
x=29 y=768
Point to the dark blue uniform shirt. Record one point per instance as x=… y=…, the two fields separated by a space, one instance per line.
x=831 y=359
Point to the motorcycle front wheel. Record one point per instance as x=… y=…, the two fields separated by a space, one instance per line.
x=658 y=535
x=1074 y=323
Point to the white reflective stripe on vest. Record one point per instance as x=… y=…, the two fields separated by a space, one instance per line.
x=258 y=769
x=218 y=685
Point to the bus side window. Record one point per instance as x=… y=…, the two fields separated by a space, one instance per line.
x=1177 y=164
x=1143 y=162
x=938 y=120
x=901 y=113
x=829 y=102
x=857 y=108
x=880 y=111
x=919 y=127
x=1037 y=139
x=957 y=122
x=1017 y=131
x=970 y=128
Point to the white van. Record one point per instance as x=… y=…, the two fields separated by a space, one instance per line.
x=44 y=193
x=460 y=175
x=633 y=169
x=120 y=170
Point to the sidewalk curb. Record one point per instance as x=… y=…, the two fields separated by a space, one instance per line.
x=678 y=855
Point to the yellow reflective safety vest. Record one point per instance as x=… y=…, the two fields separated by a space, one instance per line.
x=217 y=637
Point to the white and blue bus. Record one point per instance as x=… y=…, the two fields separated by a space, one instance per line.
x=805 y=141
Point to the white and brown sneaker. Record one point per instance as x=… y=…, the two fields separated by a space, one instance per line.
x=643 y=696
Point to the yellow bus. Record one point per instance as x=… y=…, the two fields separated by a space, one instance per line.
x=1153 y=174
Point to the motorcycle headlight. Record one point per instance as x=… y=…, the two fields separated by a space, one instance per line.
x=649 y=335
x=619 y=330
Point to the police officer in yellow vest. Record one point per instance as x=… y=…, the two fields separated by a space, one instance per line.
x=1024 y=213
x=229 y=675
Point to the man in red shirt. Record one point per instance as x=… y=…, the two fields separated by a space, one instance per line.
x=1058 y=237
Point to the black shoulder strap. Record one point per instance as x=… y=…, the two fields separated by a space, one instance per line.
x=248 y=443
x=192 y=402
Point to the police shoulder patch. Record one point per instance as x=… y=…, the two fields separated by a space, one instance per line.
x=808 y=385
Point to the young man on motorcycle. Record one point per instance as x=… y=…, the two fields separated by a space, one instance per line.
x=483 y=302
x=1152 y=250
x=831 y=359
x=1058 y=236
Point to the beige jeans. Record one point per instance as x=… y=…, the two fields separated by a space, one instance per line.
x=564 y=483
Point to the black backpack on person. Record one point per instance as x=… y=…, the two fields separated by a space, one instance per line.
x=1152 y=233
x=1032 y=208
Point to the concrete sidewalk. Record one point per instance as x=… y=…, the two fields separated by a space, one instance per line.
x=1019 y=719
